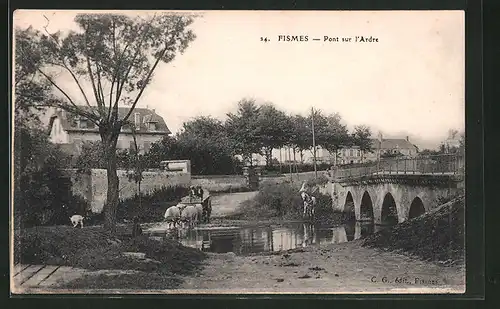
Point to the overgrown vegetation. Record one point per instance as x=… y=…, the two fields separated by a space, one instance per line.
x=42 y=193
x=435 y=236
x=282 y=201
x=94 y=249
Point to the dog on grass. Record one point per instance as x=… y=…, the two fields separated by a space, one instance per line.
x=76 y=219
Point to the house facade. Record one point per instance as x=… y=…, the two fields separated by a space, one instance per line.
x=385 y=146
x=71 y=131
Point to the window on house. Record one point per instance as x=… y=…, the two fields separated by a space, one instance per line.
x=351 y=153
x=83 y=124
x=152 y=126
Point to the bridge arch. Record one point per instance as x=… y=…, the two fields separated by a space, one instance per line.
x=349 y=203
x=416 y=208
x=389 y=214
x=366 y=208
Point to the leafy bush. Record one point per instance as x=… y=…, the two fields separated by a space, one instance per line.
x=208 y=156
x=42 y=193
x=283 y=200
x=320 y=181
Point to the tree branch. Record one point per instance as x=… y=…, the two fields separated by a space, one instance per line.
x=91 y=75
x=90 y=116
x=99 y=84
x=138 y=49
x=145 y=84
x=64 y=65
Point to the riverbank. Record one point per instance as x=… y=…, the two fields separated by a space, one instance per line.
x=334 y=268
x=438 y=235
x=154 y=264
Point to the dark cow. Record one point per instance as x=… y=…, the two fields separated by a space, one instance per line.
x=206 y=203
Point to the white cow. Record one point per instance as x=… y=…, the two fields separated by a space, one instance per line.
x=76 y=219
x=172 y=216
x=199 y=212
x=189 y=215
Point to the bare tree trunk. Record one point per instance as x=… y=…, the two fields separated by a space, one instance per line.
x=109 y=143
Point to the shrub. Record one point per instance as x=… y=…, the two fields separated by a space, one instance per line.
x=283 y=200
x=320 y=181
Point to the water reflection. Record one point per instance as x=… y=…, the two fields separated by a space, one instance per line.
x=266 y=238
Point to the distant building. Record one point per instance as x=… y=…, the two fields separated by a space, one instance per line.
x=353 y=154
x=71 y=131
x=392 y=145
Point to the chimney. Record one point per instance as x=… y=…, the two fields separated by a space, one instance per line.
x=407 y=138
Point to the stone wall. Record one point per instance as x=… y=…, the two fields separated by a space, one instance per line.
x=93 y=187
x=217 y=183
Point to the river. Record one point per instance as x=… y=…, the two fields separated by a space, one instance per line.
x=264 y=238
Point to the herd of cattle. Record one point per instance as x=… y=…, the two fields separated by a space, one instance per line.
x=196 y=209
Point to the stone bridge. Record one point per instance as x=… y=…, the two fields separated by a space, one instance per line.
x=394 y=190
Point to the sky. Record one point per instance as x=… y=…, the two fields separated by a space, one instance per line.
x=409 y=83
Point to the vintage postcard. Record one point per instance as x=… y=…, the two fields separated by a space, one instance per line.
x=301 y=152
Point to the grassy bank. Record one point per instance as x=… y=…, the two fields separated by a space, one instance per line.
x=282 y=202
x=93 y=249
x=435 y=236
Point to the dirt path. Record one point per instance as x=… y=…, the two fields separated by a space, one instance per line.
x=227 y=204
x=337 y=268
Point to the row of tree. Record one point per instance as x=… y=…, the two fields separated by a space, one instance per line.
x=258 y=129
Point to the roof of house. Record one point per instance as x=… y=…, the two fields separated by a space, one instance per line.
x=393 y=143
x=68 y=121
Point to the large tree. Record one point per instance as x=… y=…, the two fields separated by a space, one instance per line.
x=205 y=127
x=362 y=138
x=329 y=132
x=116 y=55
x=243 y=129
x=301 y=137
x=274 y=130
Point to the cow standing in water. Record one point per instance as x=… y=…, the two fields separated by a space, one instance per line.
x=309 y=202
x=206 y=203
